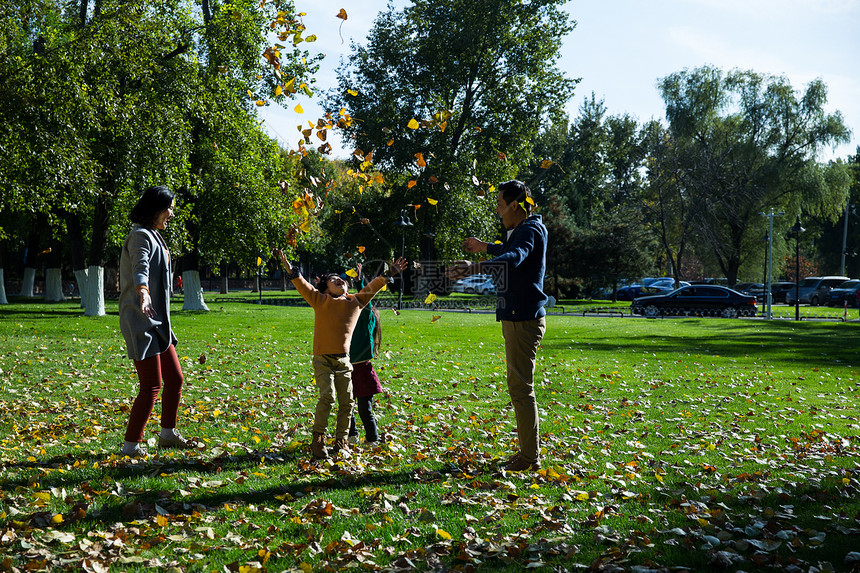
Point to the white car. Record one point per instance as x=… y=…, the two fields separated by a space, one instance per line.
x=475 y=284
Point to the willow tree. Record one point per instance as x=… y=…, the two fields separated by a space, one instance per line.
x=743 y=143
x=446 y=98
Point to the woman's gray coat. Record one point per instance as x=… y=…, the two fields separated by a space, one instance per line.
x=145 y=261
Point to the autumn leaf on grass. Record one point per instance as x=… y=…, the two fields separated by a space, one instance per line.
x=431 y=298
x=396 y=312
x=435 y=318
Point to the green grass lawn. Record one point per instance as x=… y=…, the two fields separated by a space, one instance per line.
x=678 y=443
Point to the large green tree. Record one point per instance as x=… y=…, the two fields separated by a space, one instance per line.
x=467 y=85
x=744 y=143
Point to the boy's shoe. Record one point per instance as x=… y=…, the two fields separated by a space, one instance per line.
x=353 y=439
x=175 y=441
x=318 y=446
x=518 y=464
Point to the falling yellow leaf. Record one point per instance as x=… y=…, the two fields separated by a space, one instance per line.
x=278 y=90
x=412 y=183
x=306 y=226
x=431 y=298
x=351 y=273
x=352 y=93
x=432 y=201
x=260 y=103
x=413 y=124
x=435 y=318
x=546 y=164
x=342 y=14
x=298 y=109
x=389 y=143
x=419 y=160
x=502 y=156
x=361 y=249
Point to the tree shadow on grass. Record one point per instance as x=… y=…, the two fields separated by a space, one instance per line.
x=807 y=343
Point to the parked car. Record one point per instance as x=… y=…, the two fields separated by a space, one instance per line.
x=648 y=286
x=475 y=284
x=812 y=290
x=778 y=290
x=846 y=292
x=745 y=287
x=696 y=300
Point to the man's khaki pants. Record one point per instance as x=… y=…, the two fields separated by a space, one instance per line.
x=334 y=380
x=521 y=342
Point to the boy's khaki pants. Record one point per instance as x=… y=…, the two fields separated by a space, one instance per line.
x=333 y=376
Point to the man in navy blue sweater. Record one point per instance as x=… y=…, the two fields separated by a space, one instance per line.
x=518 y=264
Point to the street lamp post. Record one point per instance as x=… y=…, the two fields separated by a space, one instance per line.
x=768 y=296
x=403 y=222
x=795 y=231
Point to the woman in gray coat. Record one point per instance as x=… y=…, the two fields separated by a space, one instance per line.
x=145 y=278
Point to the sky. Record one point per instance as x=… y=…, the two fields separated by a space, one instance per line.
x=621 y=48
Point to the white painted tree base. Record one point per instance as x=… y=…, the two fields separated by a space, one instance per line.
x=81 y=278
x=27 y=283
x=3 y=289
x=54 y=285
x=193 y=291
x=94 y=305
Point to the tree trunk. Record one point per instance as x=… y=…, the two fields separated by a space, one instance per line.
x=193 y=291
x=83 y=284
x=54 y=285
x=2 y=288
x=28 y=281
x=225 y=286
x=94 y=291
x=76 y=248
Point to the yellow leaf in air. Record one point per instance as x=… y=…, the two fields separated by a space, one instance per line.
x=530 y=201
x=435 y=318
x=386 y=288
x=431 y=298
x=260 y=103
x=312 y=38
x=342 y=14
x=432 y=201
x=290 y=86
x=259 y=261
x=351 y=273
x=419 y=159
x=298 y=109
x=278 y=90
x=413 y=124
x=306 y=226
x=443 y=534
x=352 y=92
x=361 y=249
x=412 y=183
x=389 y=143
x=546 y=163
x=502 y=156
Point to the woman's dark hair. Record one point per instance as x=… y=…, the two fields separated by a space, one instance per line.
x=152 y=201
x=516 y=191
x=322 y=286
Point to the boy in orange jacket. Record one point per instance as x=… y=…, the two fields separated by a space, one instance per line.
x=336 y=312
